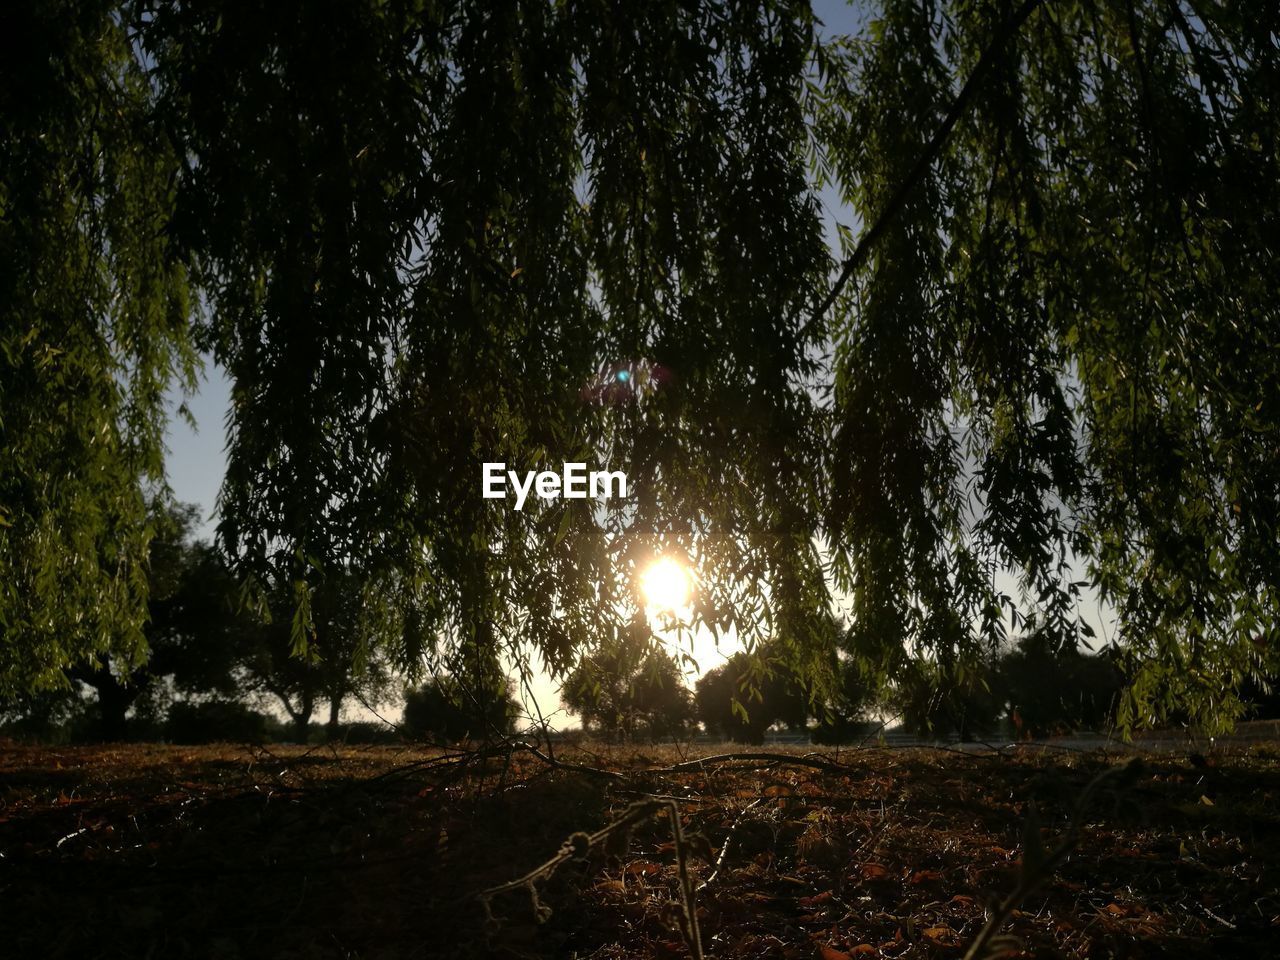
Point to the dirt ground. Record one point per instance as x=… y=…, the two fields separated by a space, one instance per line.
x=235 y=851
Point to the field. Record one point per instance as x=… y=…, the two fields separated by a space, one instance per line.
x=235 y=851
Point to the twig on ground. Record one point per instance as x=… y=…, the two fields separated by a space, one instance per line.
x=728 y=841
x=578 y=845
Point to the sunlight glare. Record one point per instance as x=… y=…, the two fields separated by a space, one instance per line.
x=666 y=585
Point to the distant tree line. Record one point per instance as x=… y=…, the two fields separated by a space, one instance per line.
x=1032 y=689
x=223 y=654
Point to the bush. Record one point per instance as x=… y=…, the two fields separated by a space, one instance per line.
x=444 y=711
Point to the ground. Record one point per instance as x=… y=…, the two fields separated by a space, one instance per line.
x=236 y=852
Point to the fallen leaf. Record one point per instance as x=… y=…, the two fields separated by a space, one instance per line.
x=924 y=876
x=831 y=953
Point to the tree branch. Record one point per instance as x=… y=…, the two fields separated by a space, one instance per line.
x=912 y=180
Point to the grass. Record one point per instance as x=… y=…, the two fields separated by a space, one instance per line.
x=230 y=852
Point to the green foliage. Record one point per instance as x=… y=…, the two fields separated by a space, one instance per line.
x=424 y=234
x=960 y=702
x=94 y=324
x=745 y=696
x=1062 y=350
x=427 y=235
x=629 y=688
x=345 y=657
x=842 y=718
x=190 y=631
x=448 y=710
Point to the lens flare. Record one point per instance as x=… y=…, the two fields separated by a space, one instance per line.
x=666 y=585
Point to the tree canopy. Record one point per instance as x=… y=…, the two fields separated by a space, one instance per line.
x=627 y=689
x=420 y=236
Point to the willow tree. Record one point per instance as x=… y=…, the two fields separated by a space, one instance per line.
x=431 y=235
x=434 y=236
x=94 y=323
x=1057 y=347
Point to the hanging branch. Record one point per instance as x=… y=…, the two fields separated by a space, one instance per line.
x=912 y=180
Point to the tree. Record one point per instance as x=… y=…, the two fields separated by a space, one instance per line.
x=95 y=322
x=338 y=660
x=450 y=710
x=44 y=715
x=1046 y=360
x=745 y=696
x=191 y=628
x=627 y=203
x=426 y=238
x=843 y=717
x=1054 y=691
x=934 y=700
x=629 y=689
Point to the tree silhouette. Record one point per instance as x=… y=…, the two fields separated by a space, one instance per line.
x=191 y=631
x=419 y=239
x=449 y=709
x=630 y=689
x=1054 y=691
x=342 y=655
x=941 y=702
x=739 y=701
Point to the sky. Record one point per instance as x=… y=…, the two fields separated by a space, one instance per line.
x=197 y=458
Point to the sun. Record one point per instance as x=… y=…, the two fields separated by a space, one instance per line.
x=666 y=585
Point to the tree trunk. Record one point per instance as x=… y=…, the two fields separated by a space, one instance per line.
x=114 y=699
x=301 y=727
x=302 y=720
x=335 y=712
